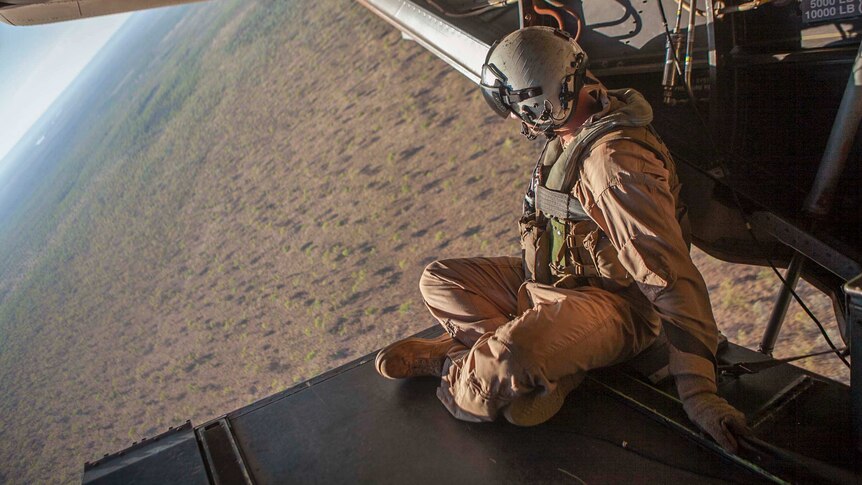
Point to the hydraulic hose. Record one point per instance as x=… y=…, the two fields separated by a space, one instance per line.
x=742 y=7
x=686 y=4
x=571 y=12
x=549 y=12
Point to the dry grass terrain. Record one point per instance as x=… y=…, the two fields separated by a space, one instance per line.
x=256 y=209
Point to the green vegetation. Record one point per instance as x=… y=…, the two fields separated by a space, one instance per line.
x=235 y=212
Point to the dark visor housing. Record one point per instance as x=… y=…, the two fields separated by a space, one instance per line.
x=499 y=96
x=492 y=89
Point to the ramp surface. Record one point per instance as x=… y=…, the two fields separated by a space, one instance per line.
x=352 y=425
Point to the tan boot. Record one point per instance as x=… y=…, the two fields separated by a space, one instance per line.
x=414 y=357
x=536 y=408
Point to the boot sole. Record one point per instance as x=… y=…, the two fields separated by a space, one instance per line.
x=535 y=409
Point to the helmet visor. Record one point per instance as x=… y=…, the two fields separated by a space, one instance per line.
x=494 y=89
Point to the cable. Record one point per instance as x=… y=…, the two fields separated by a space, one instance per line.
x=796 y=297
x=740 y=368
x=775 y=270
x=676 y=62
x=571 y=12
x=742 y=7
x=686 y=5
x=689 y=42
x=668 y=36
x=628 y=447
x=549 y=12
x=718 y=152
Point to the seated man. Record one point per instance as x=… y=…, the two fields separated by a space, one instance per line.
x=605 y=262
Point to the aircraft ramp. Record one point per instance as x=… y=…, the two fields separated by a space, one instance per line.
x=350 y=425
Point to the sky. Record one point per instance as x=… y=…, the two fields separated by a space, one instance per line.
x=37 y=63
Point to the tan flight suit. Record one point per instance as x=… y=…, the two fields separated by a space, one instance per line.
x=522 y=337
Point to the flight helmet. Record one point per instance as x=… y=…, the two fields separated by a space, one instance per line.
x=535 y=73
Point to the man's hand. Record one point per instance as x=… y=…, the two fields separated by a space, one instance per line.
x=718 y=418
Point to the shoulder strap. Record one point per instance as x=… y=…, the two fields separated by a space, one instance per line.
x=555 y=200
x=560 y=205
x=644 y=136
x=560 y=178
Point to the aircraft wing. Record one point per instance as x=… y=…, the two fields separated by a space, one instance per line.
x=34 y=12
x=462 y=42
x=461 y=31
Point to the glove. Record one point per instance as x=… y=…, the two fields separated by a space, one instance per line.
x=711 y=413
x=717 y=418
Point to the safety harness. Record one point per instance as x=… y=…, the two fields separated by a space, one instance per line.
x=558 y=236
x=562 y=245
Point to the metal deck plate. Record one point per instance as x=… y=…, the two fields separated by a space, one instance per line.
x=351 y=425
x=172 y=457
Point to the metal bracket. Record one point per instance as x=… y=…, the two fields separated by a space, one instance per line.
x=806 y=244
x=222 y=453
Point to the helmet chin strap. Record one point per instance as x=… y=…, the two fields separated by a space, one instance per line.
x=527 y=131
x=532 y=133
x=531 y=129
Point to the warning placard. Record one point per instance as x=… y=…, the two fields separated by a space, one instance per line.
x=830 y=10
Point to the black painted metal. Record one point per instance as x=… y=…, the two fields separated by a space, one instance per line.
x=172 y=457
x=814 y=422
x=853 y=290
x=844 y=128
x=804 y=242
x=358 y=427
x=223 y=455
x=782 y=302
x=351 y=425
x=666 y=409
x=777 y=404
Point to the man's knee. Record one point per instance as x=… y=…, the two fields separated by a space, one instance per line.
x=435 y=275
x=505 y=372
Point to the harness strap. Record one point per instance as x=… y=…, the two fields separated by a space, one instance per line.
x=687 y=343
x=560 y=205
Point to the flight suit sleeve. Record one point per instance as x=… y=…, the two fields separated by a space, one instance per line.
x=625 y=188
